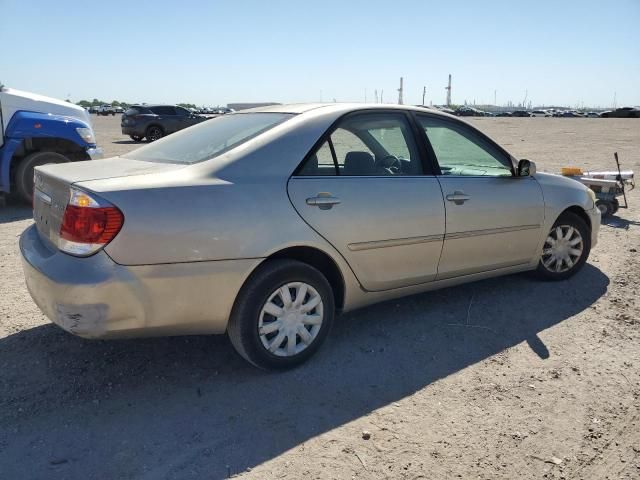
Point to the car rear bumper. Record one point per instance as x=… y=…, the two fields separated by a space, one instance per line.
x=132 y=130
x=95 y=297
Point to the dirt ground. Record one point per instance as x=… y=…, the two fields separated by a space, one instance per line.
x=505 y=378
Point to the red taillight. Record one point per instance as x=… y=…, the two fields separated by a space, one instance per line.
x=88 y=224
x=91 y=224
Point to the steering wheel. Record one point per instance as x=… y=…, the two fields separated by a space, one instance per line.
x=391 y=164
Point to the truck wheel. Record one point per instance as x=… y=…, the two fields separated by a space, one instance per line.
x=24 y=172
x=154 y=133
x=606 y=208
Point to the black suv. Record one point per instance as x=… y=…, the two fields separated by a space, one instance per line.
x=156 y=121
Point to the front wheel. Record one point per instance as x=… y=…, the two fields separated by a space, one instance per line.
x=566 y=248
x=282 y=314
x=24 y=172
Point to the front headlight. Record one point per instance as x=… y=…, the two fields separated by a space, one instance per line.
x=592 y=195
x=87 y=135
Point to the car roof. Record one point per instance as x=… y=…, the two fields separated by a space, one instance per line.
x=301 y=108
x=151 y=105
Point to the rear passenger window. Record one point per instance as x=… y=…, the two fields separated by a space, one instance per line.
x=164 y=110
x=321 y=163
x=369 y=144
x=345 y=142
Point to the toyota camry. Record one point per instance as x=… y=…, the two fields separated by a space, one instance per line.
x=265 y=224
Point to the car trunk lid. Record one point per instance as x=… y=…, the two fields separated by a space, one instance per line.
x=53 y=182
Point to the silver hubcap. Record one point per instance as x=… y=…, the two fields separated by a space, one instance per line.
x=562 y=249
x=290 y=319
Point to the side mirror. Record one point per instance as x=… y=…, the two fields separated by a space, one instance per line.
x=526 y=168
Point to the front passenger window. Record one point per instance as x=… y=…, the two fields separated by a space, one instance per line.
x=459 y=151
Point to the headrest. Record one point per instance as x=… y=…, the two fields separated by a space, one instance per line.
x=359 y=163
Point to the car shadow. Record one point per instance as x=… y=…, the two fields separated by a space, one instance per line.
x=15 y=211
x=128 y=142
x=162 y=408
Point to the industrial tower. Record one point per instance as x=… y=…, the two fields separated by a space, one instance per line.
x=400 y=92
x=448 y=89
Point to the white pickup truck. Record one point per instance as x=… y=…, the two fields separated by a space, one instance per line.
x=36 y=130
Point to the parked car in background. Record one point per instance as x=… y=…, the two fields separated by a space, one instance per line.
x=570 y=114
x=444 y=110
x=263 y=224
x=540 y=113
x=155 y=121
x=469 y=112
x=504 y=114
x=623 y=112
x=593 y=115
x=93 y=109
x=105 y=110
x=520 y=113
x=117 y=109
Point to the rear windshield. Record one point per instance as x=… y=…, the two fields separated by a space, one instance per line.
x=209 y=138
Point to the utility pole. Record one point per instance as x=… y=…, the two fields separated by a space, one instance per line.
x=376 y=94
x=365 y=95
x=495 y=98
x=424 y=92
x=400 y=92
x=448 y=89
x=381 y=94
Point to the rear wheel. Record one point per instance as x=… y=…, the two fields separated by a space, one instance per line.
x=24 y=172
x=566 y=248
x=282 y=314
x=154 y=133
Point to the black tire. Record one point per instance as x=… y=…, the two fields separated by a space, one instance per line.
x=572 y=220
x=616 y=206
x=606 y=208
x=243 y=323
x=136 y=138
x=154 y=133
x=24 y=173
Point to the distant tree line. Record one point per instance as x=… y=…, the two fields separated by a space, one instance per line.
x=96 y=103
x=187 y=105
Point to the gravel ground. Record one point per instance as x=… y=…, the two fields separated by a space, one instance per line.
x=504 y=378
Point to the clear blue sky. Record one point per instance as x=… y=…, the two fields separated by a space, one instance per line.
x=561 y=52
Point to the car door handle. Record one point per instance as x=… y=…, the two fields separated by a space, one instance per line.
x=458 y=197
x=323 y=200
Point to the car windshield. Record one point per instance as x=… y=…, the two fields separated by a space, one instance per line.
x=208 y=139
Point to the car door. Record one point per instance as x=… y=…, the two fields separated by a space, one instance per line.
x=185 y=118
x=493 y=218
x=366 y=191
x=165 y=117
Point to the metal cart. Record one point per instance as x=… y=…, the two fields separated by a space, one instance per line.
x=606 y=185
